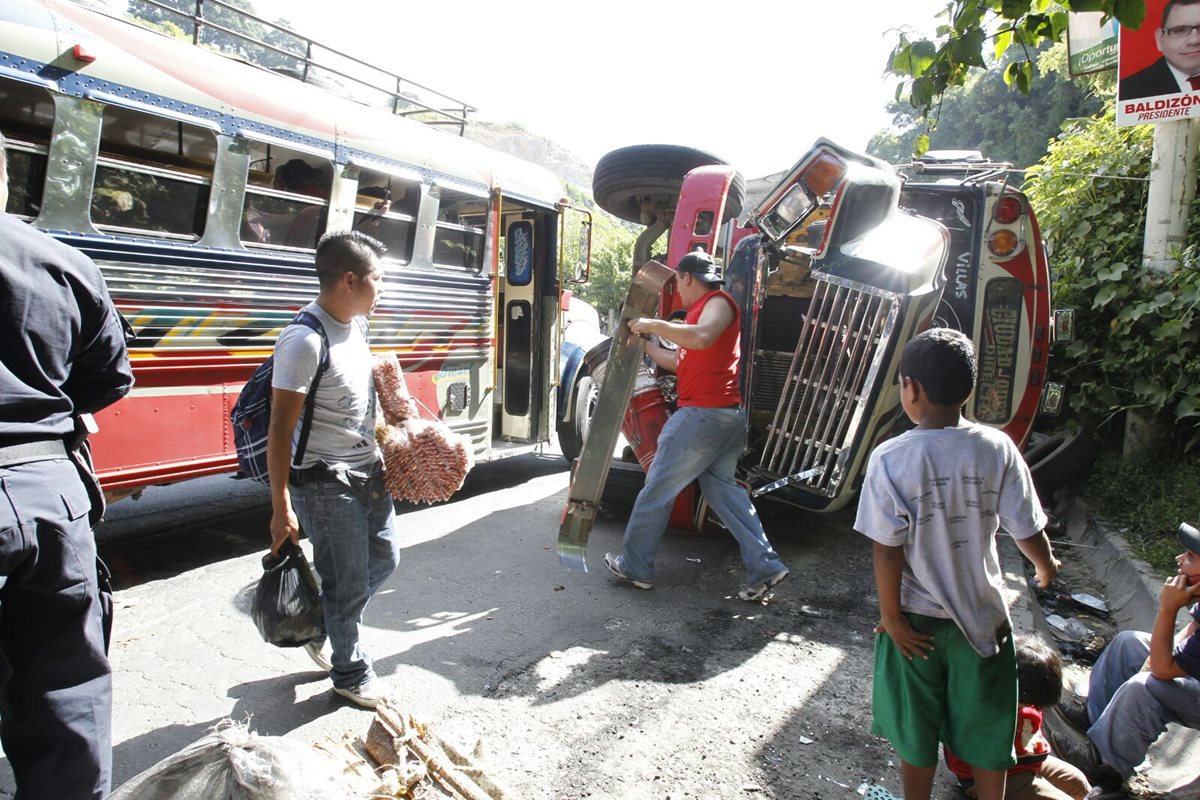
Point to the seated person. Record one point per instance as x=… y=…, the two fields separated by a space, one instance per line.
x=301 y=177
x=1038 y=774
x=1142 y=681
x=288 y=222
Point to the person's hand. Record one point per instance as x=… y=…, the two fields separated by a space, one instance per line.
x=1176 y=594
x=1045 y=576
x=284 y=526
x=907 y=639
x=641 y=326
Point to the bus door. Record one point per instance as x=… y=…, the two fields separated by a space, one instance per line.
x=521 y=372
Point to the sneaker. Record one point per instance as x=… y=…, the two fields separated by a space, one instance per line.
x=758 y=590
x=613 y=564
x=316 y=651
x=368 y=694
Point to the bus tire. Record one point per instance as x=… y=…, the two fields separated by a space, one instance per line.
x=573 y=432
x=624 y=177
x=1056 y=458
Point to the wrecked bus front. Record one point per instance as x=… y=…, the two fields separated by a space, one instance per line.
x=835 y=312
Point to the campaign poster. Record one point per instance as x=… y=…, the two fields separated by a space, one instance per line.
x=1159 y=65
x=1091 y=42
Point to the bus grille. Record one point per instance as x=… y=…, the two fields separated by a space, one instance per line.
x=831 y=384
x=769 y=376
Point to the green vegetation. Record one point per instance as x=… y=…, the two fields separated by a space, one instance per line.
x=984 y=114
x=1137 y=344
x=930 y=67
x=1146 y=499
x=1137 y=331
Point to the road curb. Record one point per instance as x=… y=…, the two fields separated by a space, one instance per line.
x=1129 y=585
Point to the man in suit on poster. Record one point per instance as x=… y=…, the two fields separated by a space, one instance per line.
x=1178 y=39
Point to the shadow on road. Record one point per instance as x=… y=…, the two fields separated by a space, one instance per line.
x=177 y=528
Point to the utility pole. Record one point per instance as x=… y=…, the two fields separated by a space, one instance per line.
x=1172 y=190
x=1168 y=204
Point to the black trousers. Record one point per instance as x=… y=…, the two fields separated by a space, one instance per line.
x=55 y=680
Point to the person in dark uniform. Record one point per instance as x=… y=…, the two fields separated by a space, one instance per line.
x=63 y=355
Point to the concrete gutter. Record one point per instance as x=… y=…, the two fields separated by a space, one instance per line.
x=1131 y=591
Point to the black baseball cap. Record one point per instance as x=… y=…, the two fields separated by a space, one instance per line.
x=700 y=264
x=1189 y=537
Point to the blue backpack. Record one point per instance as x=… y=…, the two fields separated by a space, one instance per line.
x=251 y=414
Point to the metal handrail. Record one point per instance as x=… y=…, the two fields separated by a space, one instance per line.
x=454 y=115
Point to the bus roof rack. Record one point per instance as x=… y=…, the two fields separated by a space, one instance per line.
x=965 y=166
x=218 y=25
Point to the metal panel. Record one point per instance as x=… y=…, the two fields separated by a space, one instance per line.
x=829 y=382
x=71 y=166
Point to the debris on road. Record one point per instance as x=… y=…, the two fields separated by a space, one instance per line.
x=1081 y=601
x=399 y=743
x=1067 y=627
x=399 y=758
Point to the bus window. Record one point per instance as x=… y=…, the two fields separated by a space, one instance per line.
x=461 y=222
x=28 y=121
x=387 y=209
x=287 y=197
x=153 y=175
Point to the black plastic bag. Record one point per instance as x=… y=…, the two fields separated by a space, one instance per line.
x=287 y=602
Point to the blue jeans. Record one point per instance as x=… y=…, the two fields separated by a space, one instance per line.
x=1131 y=708
x=355 y=549
x=704 y=444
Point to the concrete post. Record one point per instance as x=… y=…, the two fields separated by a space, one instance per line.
x=1172 y=190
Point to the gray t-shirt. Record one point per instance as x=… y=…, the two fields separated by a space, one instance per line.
x=942 y=495
x=343 y=427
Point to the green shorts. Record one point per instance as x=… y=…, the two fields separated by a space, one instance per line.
x=955 y=696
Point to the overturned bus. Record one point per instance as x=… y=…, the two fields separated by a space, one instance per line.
x=841 y=262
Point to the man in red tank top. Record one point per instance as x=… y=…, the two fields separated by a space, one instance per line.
x=703 y=438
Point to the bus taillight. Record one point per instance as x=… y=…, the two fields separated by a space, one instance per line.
x=1008 y=210
x=1003 y=243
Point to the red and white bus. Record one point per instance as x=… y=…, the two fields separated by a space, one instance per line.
x=200 y=184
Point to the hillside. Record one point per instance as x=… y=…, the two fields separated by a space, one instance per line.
x=511 y=138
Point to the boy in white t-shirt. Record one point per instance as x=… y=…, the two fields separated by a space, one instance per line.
x=933 y=500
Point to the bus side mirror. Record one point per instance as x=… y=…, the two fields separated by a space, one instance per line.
x=583 y=260
x=574 y=243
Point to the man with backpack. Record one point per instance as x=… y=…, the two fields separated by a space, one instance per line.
x=335 y=489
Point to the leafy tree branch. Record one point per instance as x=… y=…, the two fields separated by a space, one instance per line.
x=929 y=67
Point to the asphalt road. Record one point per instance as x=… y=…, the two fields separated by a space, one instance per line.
x=577 y=685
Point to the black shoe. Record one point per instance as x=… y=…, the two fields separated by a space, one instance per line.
x=1076 y=714
x=1099 y=793
x=1069 y=741
x=1074 y=747
x=1105 y=780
